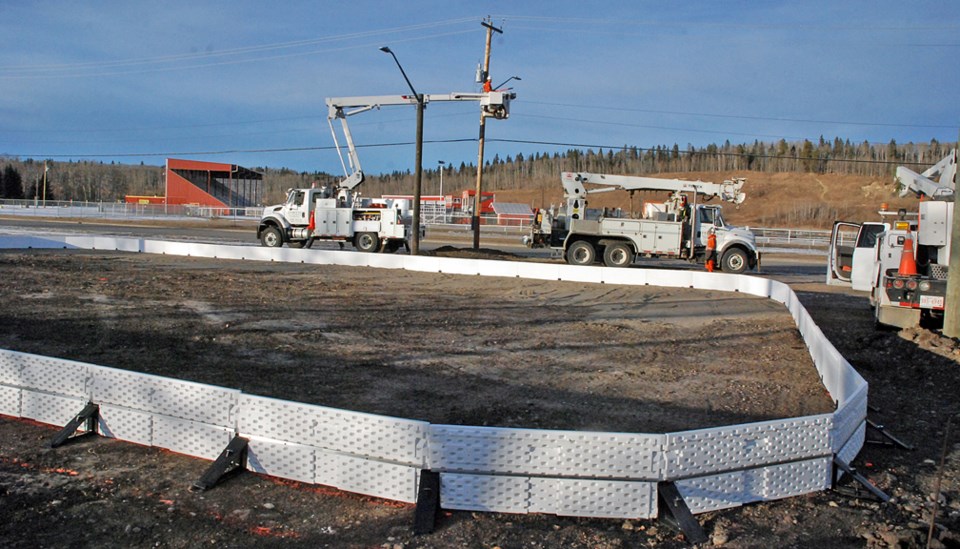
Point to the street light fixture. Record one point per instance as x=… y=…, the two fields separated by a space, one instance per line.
x=418 y=178
x=504 y=83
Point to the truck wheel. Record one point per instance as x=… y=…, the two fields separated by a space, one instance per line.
x=271 y=237
x=618 y=255
x=581 y=252
x=367 y=242
x=734 y=261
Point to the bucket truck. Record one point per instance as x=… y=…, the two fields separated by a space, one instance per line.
x=677 y=228
x=338 y=213
x=903 y=263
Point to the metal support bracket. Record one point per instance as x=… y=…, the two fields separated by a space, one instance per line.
x=861 y=480
x=886 y=439
x=232 y=458
x=428 y=503
x=87 y=417
x=678 y=514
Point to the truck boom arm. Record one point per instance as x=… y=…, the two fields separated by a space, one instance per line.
x=924 y=183
x=493 y=103
x=573 y=185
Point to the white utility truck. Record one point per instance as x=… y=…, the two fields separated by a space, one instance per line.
x=677 y=228
x=339 y=213
x=869 y=258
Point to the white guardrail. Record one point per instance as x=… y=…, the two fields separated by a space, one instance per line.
x=573 y=473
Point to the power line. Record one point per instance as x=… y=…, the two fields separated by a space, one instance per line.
x=369 y=45
x=579 y=22
x=238 y=151
x=653 y=127
x=232 y=51
x=494 y=140
x=746 y=117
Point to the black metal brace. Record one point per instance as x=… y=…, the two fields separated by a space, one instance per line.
x=886 y=438
x=862 y=480
x=678 y=514
x=87 y=417
x=232 y=458
x=428 y=503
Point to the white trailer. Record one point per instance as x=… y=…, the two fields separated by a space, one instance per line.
x=677 y=228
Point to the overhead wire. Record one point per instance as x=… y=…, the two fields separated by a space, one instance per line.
x=232 y=51
x=743 y=117
x=474 y=140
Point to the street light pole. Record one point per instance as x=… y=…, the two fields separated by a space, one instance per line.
x=443 y=199
x=441 y=164
x=418 y=177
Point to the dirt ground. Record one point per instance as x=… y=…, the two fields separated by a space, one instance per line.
x=448 y=349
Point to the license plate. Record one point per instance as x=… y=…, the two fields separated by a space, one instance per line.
x=931 y=302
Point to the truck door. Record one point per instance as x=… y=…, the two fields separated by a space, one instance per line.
x=296 y=208
x=706 y=219
x=863 y=271
x=852 y=254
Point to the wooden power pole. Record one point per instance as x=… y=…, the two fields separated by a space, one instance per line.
x=485 y=77
x=951 y=305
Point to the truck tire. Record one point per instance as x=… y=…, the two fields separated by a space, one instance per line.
x=271 y=237
x=618 y=254
x=367 y=242
x=734 y=261
x=581 y=252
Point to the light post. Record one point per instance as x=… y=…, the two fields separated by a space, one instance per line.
x=418 y=178
x=443 y=199
x=441 y=164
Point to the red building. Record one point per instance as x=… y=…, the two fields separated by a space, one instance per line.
x=211 y=184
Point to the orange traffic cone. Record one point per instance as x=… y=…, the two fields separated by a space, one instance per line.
x=908 y=264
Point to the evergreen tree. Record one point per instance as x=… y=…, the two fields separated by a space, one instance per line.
x=12 y=183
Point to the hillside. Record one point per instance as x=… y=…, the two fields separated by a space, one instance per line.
x=796 y=200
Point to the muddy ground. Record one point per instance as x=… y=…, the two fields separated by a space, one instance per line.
x=447 y=349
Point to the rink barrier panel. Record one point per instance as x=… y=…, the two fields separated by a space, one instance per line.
x=570 y=473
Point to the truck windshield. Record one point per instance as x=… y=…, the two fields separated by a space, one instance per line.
x=295 y=198
x=711 y=216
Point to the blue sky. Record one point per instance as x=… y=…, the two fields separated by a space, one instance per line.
x=133 y=81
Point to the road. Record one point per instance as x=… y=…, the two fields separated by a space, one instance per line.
x=790 y=268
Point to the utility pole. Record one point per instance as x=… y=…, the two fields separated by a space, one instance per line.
x=417 y=180
x=951 y=306
x=45 y=183
x=485 y=77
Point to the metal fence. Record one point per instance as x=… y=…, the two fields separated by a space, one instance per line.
x=792 y=238
x=768 y=238
x=69 y=209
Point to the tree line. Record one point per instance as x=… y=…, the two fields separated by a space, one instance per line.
x=541 y=170
x=99 y=182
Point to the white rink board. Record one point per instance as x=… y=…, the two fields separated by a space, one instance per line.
x=10 y=401
x=482 y=469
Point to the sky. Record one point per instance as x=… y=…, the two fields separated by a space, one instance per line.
x=244 y=82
